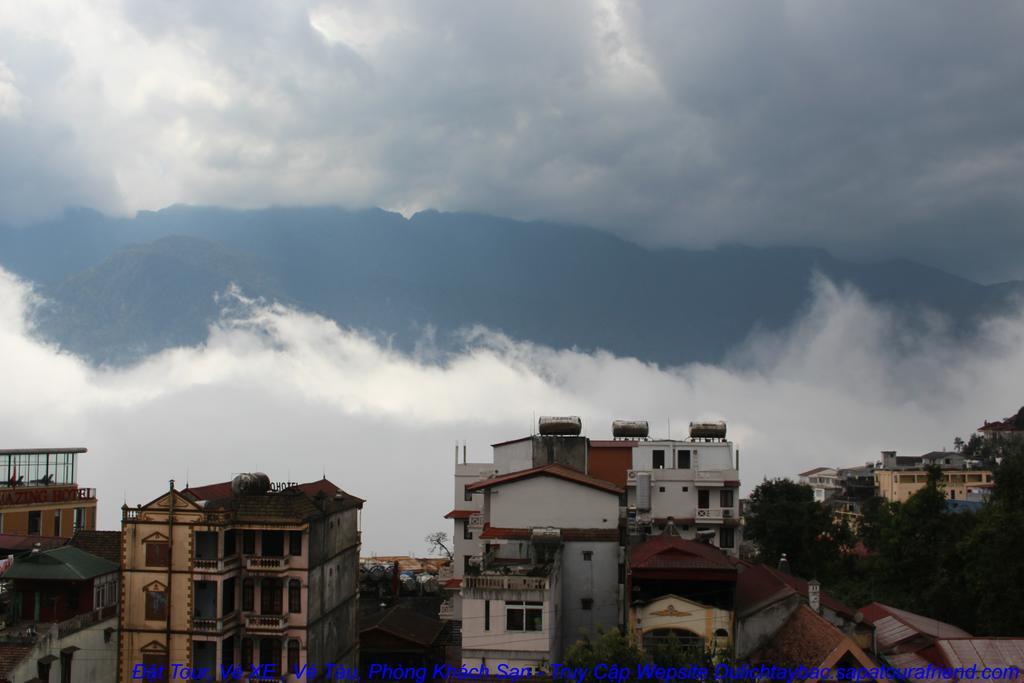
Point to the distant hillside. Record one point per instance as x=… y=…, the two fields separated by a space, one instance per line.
x=121 y=288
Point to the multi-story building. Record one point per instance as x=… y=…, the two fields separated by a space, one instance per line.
x=40 y=495
x=824 y=481
x=542 y=531
x=241 y=574
x=899 y=477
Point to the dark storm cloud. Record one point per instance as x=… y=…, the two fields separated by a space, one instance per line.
x=870 y=128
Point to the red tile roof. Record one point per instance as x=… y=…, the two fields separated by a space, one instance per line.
x=460 y=514
x=11 y=655
x=558 y=471
x=667 y=552
x=760 y=585
x=805 y=639
x=577 y=535
x=452 y=583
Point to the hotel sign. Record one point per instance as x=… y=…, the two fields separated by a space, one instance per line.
x=30 y=495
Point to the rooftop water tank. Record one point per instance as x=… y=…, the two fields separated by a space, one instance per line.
x=560 y=426
x=707 y=430
x=250 y=484
x=630 y=429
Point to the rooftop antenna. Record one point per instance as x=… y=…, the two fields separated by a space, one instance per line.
x=186 y=476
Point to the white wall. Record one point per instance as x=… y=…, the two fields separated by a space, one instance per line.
x=94 y=662
x=514 y=457
x=544 y=501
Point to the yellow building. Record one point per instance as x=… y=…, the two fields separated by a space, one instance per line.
x=240 y=574
x=897 y=486
x=39 y=493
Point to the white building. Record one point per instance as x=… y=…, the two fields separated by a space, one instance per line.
x=824 y=481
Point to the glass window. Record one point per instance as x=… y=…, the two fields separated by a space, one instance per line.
x=79 y=518
x=247 y=595
x=230 y=547
x=34 y=522
x=726 y=537
x=487 y=615
x=468 y=495
x=294 y=596
x=588 y=555
x=524 y=616
x=293 y=656
x=466 y=532
x=273 y=544
x=725 y=498
x=270 y=596
x=586 y=604
x=228 y=596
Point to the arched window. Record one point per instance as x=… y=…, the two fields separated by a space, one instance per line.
x=721 y=633
x=294 y=596
x=293 y=657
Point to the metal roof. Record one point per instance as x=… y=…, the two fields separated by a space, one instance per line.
x=42 y=451
x=66 y=563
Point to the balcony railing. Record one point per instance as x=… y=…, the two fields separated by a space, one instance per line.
x=217 y=565
x=266 y=623
x=715 y=514
x=213 y=625
x=511 y=583
x=259 y=563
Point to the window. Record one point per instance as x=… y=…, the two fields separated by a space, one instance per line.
x=65 y=664
x=227 y=652
x=270 y=652
x=295 y=545
x=294 y=596
x=524 y=616
x=588 y=555
x=726 y=537
x=273 y=544
x=466 y=532
x=230 y=546
x=468 y=495
x=293 y=656
x=725 y=498
x=270 y=596
x=659 y=459
x=79 y=518
x=228 y=597
x=56 y=522
x=661 y=489
x=247 y=654
x=156 y=605
x=248 y=542
x=685 y=489
x=487 y=615
x=158 y=554
x=34 y=522
x=247 y=596
x=683 y=458
x=586 y=604
x=155 y=662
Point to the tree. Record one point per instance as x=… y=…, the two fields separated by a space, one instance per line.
x=783 y=517
x=605 y=647
x=438 y=541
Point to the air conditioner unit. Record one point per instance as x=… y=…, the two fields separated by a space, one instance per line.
x=631 y=475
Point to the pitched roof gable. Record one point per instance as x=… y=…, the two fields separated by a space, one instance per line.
x=557 y=471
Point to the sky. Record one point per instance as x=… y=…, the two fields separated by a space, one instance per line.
x=294 y=395
x=873 y=129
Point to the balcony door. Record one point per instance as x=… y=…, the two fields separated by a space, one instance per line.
x=703 y=499
x=271 y=596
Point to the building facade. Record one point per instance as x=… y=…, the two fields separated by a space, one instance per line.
x=40 y=495
x=243 y=575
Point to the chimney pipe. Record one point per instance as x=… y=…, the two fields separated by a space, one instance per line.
x=814 y=595
x=463 y=452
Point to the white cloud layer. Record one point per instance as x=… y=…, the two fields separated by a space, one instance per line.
x=294 y=395
x=862 y=127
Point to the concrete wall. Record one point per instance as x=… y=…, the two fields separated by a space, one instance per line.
x=94 y=662
x=755 y=630
x=674 y=612
x=570 y=451
x=333 y=590
x=514 y=456
x=548 y=501
x=596 y=579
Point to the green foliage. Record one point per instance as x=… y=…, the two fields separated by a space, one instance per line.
x=783 y=517
x=605 y=647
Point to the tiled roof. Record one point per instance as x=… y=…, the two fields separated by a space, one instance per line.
x=66 y=563
x=295 y=504
x=579 y=535
x=16 y=542
x=805 y=639
x=460 y=514
x=983 y=652
x=558 y=471
x=404 y=623
x=760 y=585
x=105 y=544
x=672 y=552
x=11 y=655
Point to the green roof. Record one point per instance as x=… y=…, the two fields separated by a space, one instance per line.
x=66 y=563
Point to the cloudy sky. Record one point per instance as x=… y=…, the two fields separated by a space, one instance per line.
x=871 y=128
x=295 y=395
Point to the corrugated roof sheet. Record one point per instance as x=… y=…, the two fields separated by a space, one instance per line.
x=66 y=563
x=919 y=623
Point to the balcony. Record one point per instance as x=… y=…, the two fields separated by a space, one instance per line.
x=505 y=583
x=266 y=623
x=213 y=626
x=216 y=566
x=258 y=564
x=715 y=514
